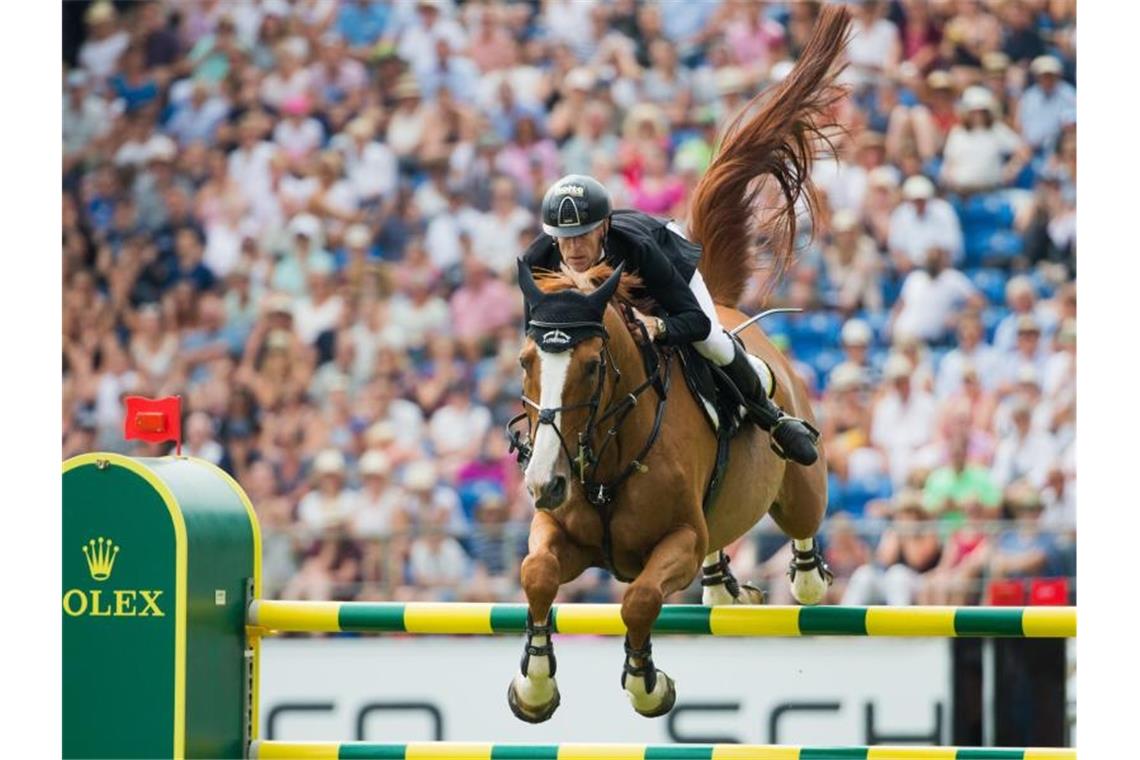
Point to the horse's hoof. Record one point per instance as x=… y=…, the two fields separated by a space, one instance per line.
x=539 y=714
x=749 y=594
x=667 y=701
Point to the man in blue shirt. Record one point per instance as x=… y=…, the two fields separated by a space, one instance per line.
x=1047 y=105
x=362 y=22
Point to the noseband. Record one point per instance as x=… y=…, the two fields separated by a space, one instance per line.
x=585 y=462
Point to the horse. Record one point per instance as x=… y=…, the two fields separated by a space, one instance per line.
x=618 y=465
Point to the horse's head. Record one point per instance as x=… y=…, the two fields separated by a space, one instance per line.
x=569 y=376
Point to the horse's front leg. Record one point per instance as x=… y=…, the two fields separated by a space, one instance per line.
x=672 y=566
x=552 y=559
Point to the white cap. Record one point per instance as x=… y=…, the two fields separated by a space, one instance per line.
x=357 y=236
x=580 y=78
x=855 y=332
x=883 y=176
x=844 y=220
x=375 y=463
x=917 y=188
x=897 y=366
x=382 y=432
x=1046 y=64
x=846 y=376
x=329 y=462
x=978 y=98
x=420 y=476
x=161 y=148
x=730 y=79
x=305 y=224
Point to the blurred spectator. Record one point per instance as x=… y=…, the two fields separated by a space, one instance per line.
x=971 y=355
x=1046 y=104
x=907 y=550
x=379 y=500
x=956 y=483
x=931 y=297
x=330 y=505
x=921 y=223
x=437 y=563
x=956 y=579
x=852 y=267
x=105 y=42
x=1025 y=453
x=1024 y=551
x=982 y=153
x=902 y=417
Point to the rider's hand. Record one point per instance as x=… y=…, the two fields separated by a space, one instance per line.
x=650 y=323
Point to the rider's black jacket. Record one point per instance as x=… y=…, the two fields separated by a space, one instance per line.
x=663 y=260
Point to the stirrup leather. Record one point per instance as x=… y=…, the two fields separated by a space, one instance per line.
x=806 y=561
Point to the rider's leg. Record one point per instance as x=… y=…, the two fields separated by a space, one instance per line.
x=793 y=438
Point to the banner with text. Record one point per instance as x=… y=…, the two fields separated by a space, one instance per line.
x=787 y=691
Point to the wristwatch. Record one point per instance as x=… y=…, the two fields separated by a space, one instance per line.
x=660 y=337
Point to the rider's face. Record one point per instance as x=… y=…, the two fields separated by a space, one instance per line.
x=583 y=251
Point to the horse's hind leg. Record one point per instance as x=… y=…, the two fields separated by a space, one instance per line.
x=551 y=561
x=799 y=511
x=719 y=585
x=670 y=567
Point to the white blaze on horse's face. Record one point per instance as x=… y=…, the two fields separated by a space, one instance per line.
x=546 y=463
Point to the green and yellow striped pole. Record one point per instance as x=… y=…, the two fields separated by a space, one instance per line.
x=605 y=619
x=273 y=750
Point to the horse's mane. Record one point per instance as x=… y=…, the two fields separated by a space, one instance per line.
x=773 y=149
x=549 y=281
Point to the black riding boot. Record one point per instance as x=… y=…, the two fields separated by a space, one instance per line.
x=792 y=438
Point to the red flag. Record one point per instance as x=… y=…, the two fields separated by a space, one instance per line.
x=154 y=419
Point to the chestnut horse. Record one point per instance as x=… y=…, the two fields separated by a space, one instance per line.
x=620 y=450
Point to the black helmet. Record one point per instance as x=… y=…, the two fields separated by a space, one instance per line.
x=574 y=205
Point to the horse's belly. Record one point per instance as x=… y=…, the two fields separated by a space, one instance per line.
x=750 y=486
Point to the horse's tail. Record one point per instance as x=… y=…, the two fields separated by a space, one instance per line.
x=777 y=144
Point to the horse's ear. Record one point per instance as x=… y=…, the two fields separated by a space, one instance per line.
x=600 y=297
x=532 y=294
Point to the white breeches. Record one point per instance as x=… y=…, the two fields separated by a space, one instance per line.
x=717 y=347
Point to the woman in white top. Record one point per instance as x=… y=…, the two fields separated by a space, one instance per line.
x=982 y=153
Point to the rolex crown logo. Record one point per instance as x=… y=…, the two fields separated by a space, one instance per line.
x=100 y=557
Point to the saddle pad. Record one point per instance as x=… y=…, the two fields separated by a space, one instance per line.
x=703 y=383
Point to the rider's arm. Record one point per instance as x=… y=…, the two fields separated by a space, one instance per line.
x=684 y=320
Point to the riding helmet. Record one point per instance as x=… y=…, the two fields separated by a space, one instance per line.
x=574 y=205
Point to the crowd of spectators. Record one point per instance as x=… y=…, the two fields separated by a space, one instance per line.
x=302 y=216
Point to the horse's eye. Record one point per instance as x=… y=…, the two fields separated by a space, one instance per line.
x=592 y=366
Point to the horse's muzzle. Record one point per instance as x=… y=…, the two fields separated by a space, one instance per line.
x=553 y=493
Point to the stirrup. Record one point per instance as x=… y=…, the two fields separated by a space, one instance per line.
x=785 y=418
x=806 y=561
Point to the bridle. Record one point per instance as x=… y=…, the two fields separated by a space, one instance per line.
x=585 y=462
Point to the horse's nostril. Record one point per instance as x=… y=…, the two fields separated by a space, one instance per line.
x=553 y=493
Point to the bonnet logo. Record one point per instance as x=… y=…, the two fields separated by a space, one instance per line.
x=555 y=338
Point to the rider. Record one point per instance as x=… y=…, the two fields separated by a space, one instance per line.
x=581 y=229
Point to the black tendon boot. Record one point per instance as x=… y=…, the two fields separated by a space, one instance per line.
x=792 y=438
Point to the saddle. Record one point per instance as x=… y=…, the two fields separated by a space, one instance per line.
x=720 y=401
